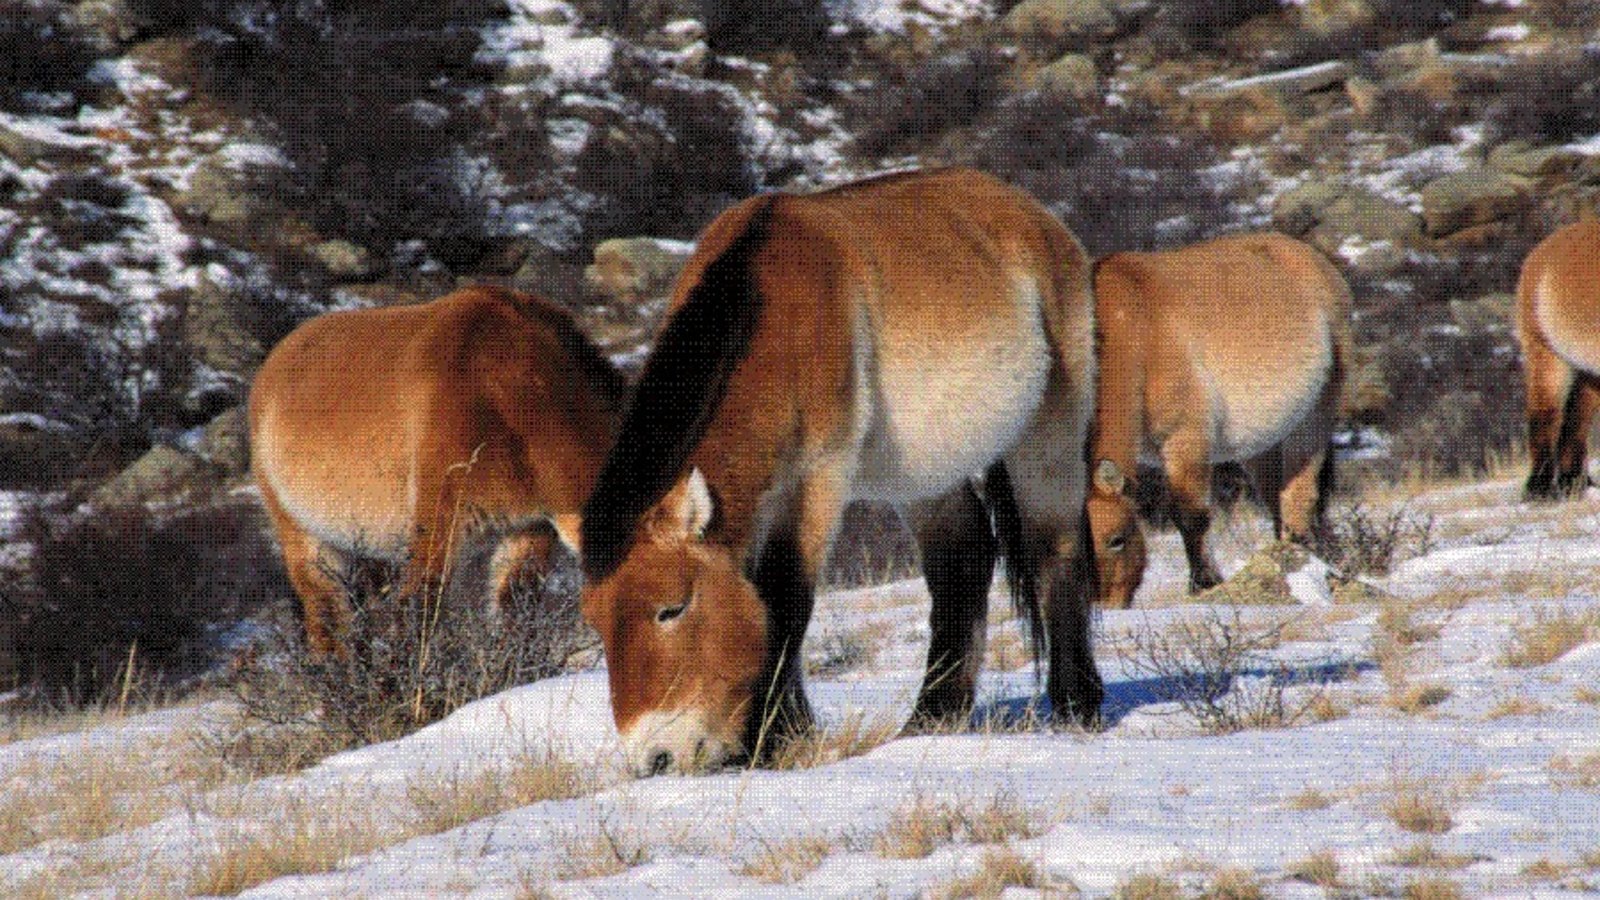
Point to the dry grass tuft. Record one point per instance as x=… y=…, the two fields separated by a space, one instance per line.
x=1544 y=870
x=1580 y=772
x=304 y=838
x=1423 y=855
x=1414 y=698
x=1399 y=620
x=787 y=861
x=606 y=850
x=93 y=793
x=1515 y=706
x=1147 y=886
x=1549 y=637
x=1324 y=708
x=1431 y=889
x=1233 y=884
x=1414 y=810
x=1587 y=695
x=1000 y=869
x=1320 y=868
x=441 y=804
x=922 y=826
x=1309 y=799
x=857 y=734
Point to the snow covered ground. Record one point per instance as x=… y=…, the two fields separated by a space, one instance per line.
x=1431 y=761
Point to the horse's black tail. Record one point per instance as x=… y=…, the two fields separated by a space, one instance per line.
x=1021 y=557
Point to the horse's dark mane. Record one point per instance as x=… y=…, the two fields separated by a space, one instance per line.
x=678 y=394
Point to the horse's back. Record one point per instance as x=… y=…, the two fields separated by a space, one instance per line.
x=950 y=276
x=358 y=417
x=1559 y=294
x=1242 y=329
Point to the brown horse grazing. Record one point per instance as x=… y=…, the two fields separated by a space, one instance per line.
x=373 y=431
x=1230 y=350
x=1558 y=320
x=886 y=339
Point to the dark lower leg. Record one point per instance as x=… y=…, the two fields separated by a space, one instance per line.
x=780 y=579
x=1573 y=446
x=1074 y=684
x=958 y=551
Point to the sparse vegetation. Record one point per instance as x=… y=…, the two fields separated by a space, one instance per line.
x=1213 y=667
x=606 y=849
x=999 y=869
x=1424 y=855
x=923 y=826
x=301 y=838
x=1148 y=886
x=786 y=862
x=1320 y=868
x=1431 y=889
x=1310 y=799
x=1233 y=884
x=412 y=659
x=1414 y=809
x=443 y=803
x=1356 y=540
x=1582 y=772
x=1550 y=636
x=857 y=734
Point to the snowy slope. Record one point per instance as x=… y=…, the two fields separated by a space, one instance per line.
x=1150 y=796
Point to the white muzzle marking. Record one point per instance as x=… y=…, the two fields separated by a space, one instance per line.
x=679 y=741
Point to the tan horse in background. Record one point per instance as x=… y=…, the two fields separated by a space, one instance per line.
x=1558 y=321
x=883 y=340
x=1230 y=350
x=384 y=432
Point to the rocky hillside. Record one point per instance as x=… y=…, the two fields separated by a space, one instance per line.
x=182 y=182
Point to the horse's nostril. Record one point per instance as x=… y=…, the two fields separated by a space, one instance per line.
x=660 y=762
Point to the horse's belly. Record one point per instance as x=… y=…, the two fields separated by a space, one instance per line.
x=345 y=493
x=944 y=411
x=1250 y=419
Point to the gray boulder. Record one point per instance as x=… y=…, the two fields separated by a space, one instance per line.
x=1472 y=197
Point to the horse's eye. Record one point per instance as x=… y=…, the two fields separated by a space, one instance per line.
x=1116 y=544
x=668 y=613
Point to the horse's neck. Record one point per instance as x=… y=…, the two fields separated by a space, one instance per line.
x=1120 y=413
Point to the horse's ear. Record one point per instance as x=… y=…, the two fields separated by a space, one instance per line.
x=696 y=507
x=1109 y=478
x=568 y=528
x=686 y=511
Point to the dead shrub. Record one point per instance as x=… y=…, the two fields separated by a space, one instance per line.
x=673 y=160
x=373 y=144
x=411 y=657
x=43 y=58
x=1320 y=868
x=1122 y=176
x=923 y=826
x=916 y=106
x=1550 y=99
x=873 y=547
x=1216 y=669
x=127 y=600
x=1357 y=540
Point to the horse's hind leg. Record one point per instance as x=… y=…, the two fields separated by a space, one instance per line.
x=1573 y=448
x=325 y=612
x=1266 y=476
x=1188 y=464
x=1550 y=382
x=958 y=551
